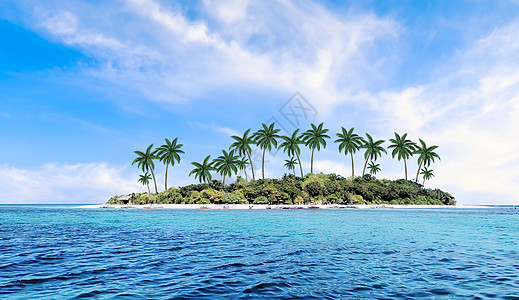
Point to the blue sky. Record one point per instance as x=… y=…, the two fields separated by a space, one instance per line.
x=85 y=83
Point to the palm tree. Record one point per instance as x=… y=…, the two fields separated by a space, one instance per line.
x=349 y=142
x=202 y=170
x=167 y=154
x=242 y=165
x=225 y=164
x=373 y=168
x=145 y=180
x=426 y=155
x=427 y=174
x=265 y=138
x=314 y=138
x=403 y=149
x=290 y=145
x=242 y=146
x=373 y=150
x=290 y=164
x=145 y=162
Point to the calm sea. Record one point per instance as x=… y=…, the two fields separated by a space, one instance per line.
x=55 y=252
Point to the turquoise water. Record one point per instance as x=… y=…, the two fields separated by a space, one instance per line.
x=56 y=252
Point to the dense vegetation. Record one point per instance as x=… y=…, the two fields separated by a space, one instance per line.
x=323 y=188
x=309 y=188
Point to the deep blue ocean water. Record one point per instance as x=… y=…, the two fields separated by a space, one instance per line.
x=55 y=252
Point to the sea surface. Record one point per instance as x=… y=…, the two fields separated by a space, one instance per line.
x=65 y=252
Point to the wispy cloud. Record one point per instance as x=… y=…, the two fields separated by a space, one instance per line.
x=217 y=128
x=278 y=46
x=472 y=111
x=65 y=183
x=341 y=62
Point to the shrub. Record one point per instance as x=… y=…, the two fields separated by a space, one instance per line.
x=240 y=194
x=261 y=200
x=194 y=196
x=355 y=199
x=231 y=198
x=213 y=195
x=332 y=199
x=314 y=189
x=203 y=200
x=170 y=196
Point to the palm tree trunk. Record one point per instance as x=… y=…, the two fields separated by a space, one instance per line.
x=365 y=164
x=166 y=180
x=206 y=179
x=294 y=170
x=405 y=166
x=352 y=167
x=223 y=179
x=251 y=166
x=300 y=167
x=263 y=164
x=423 y=181
x=245 y=171
x=418 y=173
x=148 y=192
x=312 y=160
x=154 y=181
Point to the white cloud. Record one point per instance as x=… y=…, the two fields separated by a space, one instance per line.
x=65 y=183
x=279 y=46
x=228 y=11
x=329 y=167
x=217 y=128
x=470 y=107
x=472 y=112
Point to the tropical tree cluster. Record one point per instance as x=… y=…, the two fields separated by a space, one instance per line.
x=238 y=156
x=168 y=153
x=291 y=189
x=315 y=138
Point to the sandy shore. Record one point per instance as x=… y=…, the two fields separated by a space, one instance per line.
x=264 y=206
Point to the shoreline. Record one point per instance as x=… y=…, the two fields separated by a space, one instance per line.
x=277 y=206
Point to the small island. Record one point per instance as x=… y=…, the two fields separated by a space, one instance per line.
x=323 y=189
x=310 y=189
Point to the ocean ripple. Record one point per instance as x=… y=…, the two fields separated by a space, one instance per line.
x=74 y=253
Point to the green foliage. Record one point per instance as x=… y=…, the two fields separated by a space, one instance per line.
x=194 y=197
x=242 y=146
x=144 y=161
x=314 y=189
x=402 y=148
x=241 y=196
x=265 y=138
x=349 y=142
x=203 y=170
x=314 y=184
x=169 y=153
x=356 y=199
x=113 y=200
x=293 y=189
x=426 y=156
x=374 y=150
x=203 y=200
x=314 y=138
x=290 y=145
x=231 y=198
x=170 y=196
x=299 y=200
x=214 y=196
x=226 y=164
x=261 y=200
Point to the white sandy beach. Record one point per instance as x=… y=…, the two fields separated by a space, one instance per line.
x=264 y=206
